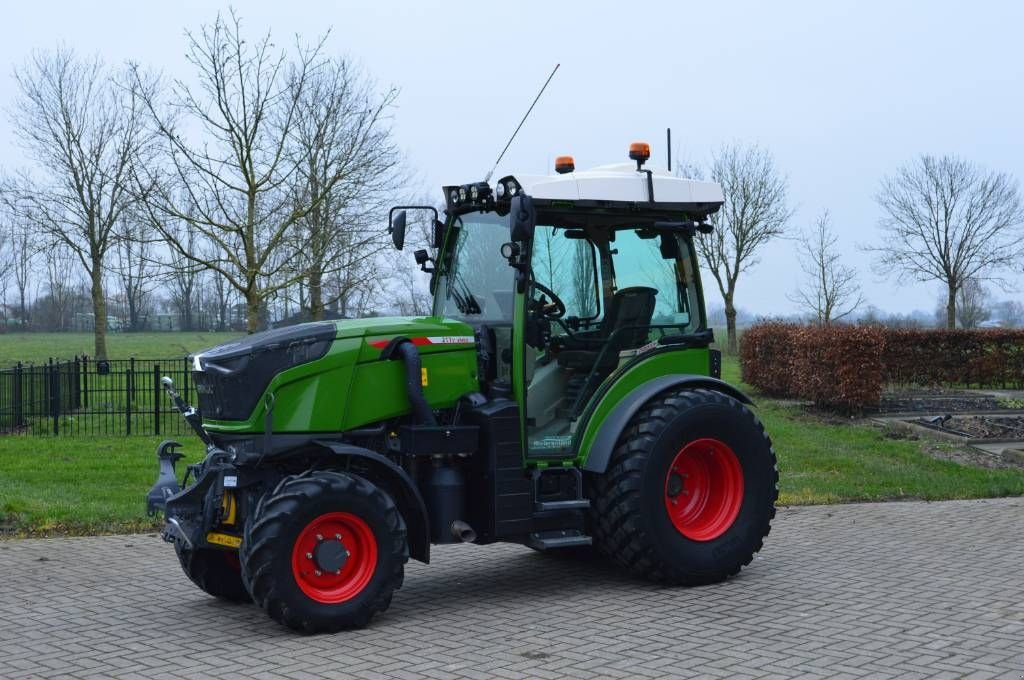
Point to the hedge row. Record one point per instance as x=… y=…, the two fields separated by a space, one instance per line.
x=986 y=358
x=846 y=367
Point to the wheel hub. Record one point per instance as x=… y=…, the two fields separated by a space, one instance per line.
x=330 y=555
x=704 y=489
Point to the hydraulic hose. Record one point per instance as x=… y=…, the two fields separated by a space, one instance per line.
x=402 y=348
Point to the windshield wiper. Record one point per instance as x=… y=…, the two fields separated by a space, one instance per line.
x=465 y=302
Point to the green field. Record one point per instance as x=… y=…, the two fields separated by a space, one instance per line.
x=38 y=347
x=97 y=484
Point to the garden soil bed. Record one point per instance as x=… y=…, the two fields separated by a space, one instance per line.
x=938 y=401
x=978 y=426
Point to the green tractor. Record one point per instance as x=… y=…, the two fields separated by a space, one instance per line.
x=562 y=395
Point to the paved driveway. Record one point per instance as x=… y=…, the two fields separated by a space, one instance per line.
x=907 y=590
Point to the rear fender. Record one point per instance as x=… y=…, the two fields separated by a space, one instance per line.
x=608 y=434
x=383 y=472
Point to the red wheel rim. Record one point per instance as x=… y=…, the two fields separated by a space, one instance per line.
x=704 y=489
x=325 y=532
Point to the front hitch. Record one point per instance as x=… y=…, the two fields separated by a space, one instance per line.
x=167 y=479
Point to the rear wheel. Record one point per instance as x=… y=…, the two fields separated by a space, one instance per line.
x=324 y=551
x=689 y=493
x=216 y=572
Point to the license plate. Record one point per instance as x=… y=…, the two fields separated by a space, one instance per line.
x=226 y=540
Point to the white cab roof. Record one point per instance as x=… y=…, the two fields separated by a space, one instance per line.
x=619 y=182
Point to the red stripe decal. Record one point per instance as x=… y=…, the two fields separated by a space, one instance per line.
x=432 y=340
x=381 y=344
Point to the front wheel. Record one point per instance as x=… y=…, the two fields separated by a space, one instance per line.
x=216 y=572
x=689 y=493
x=324 y=551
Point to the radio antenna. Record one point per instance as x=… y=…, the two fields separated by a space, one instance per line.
x=518 y=127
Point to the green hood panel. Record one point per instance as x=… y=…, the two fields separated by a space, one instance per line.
x=408 y=326
x=351 y=386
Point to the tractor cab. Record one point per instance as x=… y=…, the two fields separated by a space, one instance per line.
x=568 y=278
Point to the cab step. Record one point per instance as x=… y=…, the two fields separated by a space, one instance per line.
x=571 y=504
x=552 y=540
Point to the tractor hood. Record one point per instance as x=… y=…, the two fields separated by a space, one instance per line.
x=308 y=341
x=231 y=378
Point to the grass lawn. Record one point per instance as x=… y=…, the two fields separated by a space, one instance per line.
x=38 y=347
x=95 y=485
x=78 y=485
x=826 y=462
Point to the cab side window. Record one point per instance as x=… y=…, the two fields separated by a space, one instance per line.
x=568 y=266
x=642 y=262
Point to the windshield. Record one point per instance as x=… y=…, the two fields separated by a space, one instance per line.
x=476 y=283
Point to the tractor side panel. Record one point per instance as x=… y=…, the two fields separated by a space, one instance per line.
x=688 y=361
x=378 y=387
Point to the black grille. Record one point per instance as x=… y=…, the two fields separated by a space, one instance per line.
x=235 y=374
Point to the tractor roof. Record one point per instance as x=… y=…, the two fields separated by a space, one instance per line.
x=619 y=182
x=609 y=190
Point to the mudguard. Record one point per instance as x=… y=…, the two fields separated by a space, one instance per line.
x=604 y=443
x=400 y=485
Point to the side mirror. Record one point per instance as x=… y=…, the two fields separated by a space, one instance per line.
x=524 y=218
x=397 y=229
x=438 y=234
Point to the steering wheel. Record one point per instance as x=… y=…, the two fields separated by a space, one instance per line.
x=549 y=310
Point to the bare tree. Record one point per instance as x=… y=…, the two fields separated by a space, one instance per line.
x=972 y=304
x=830 y=290
x=23 y=260
x=133 y=269
x=408 y=294
x=755 y=212
x=6 y=265
x=222 y=293
x=85 y=133
x=229 y=143
x=183 y=277
x=1010 y=313
x=949 y=220
x=62 y=287
x=349 y=168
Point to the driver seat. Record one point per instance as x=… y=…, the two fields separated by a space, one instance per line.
x=629 y=312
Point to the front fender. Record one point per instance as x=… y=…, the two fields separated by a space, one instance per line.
x=600 y=450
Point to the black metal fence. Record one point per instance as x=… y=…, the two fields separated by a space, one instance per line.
x=83 y=397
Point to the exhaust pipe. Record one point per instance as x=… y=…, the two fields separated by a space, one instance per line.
x=462 y=532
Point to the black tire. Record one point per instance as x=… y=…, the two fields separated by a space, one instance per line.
x=216 y=572
x=280 y=520
x=631 y=521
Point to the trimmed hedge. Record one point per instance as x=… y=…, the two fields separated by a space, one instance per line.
x=846 y=367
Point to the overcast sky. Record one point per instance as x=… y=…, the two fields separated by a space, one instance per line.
x=840 y=92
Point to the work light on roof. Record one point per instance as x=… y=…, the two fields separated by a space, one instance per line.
x=564 y=164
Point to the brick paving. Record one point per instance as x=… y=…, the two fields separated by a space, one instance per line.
x=898 y=590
